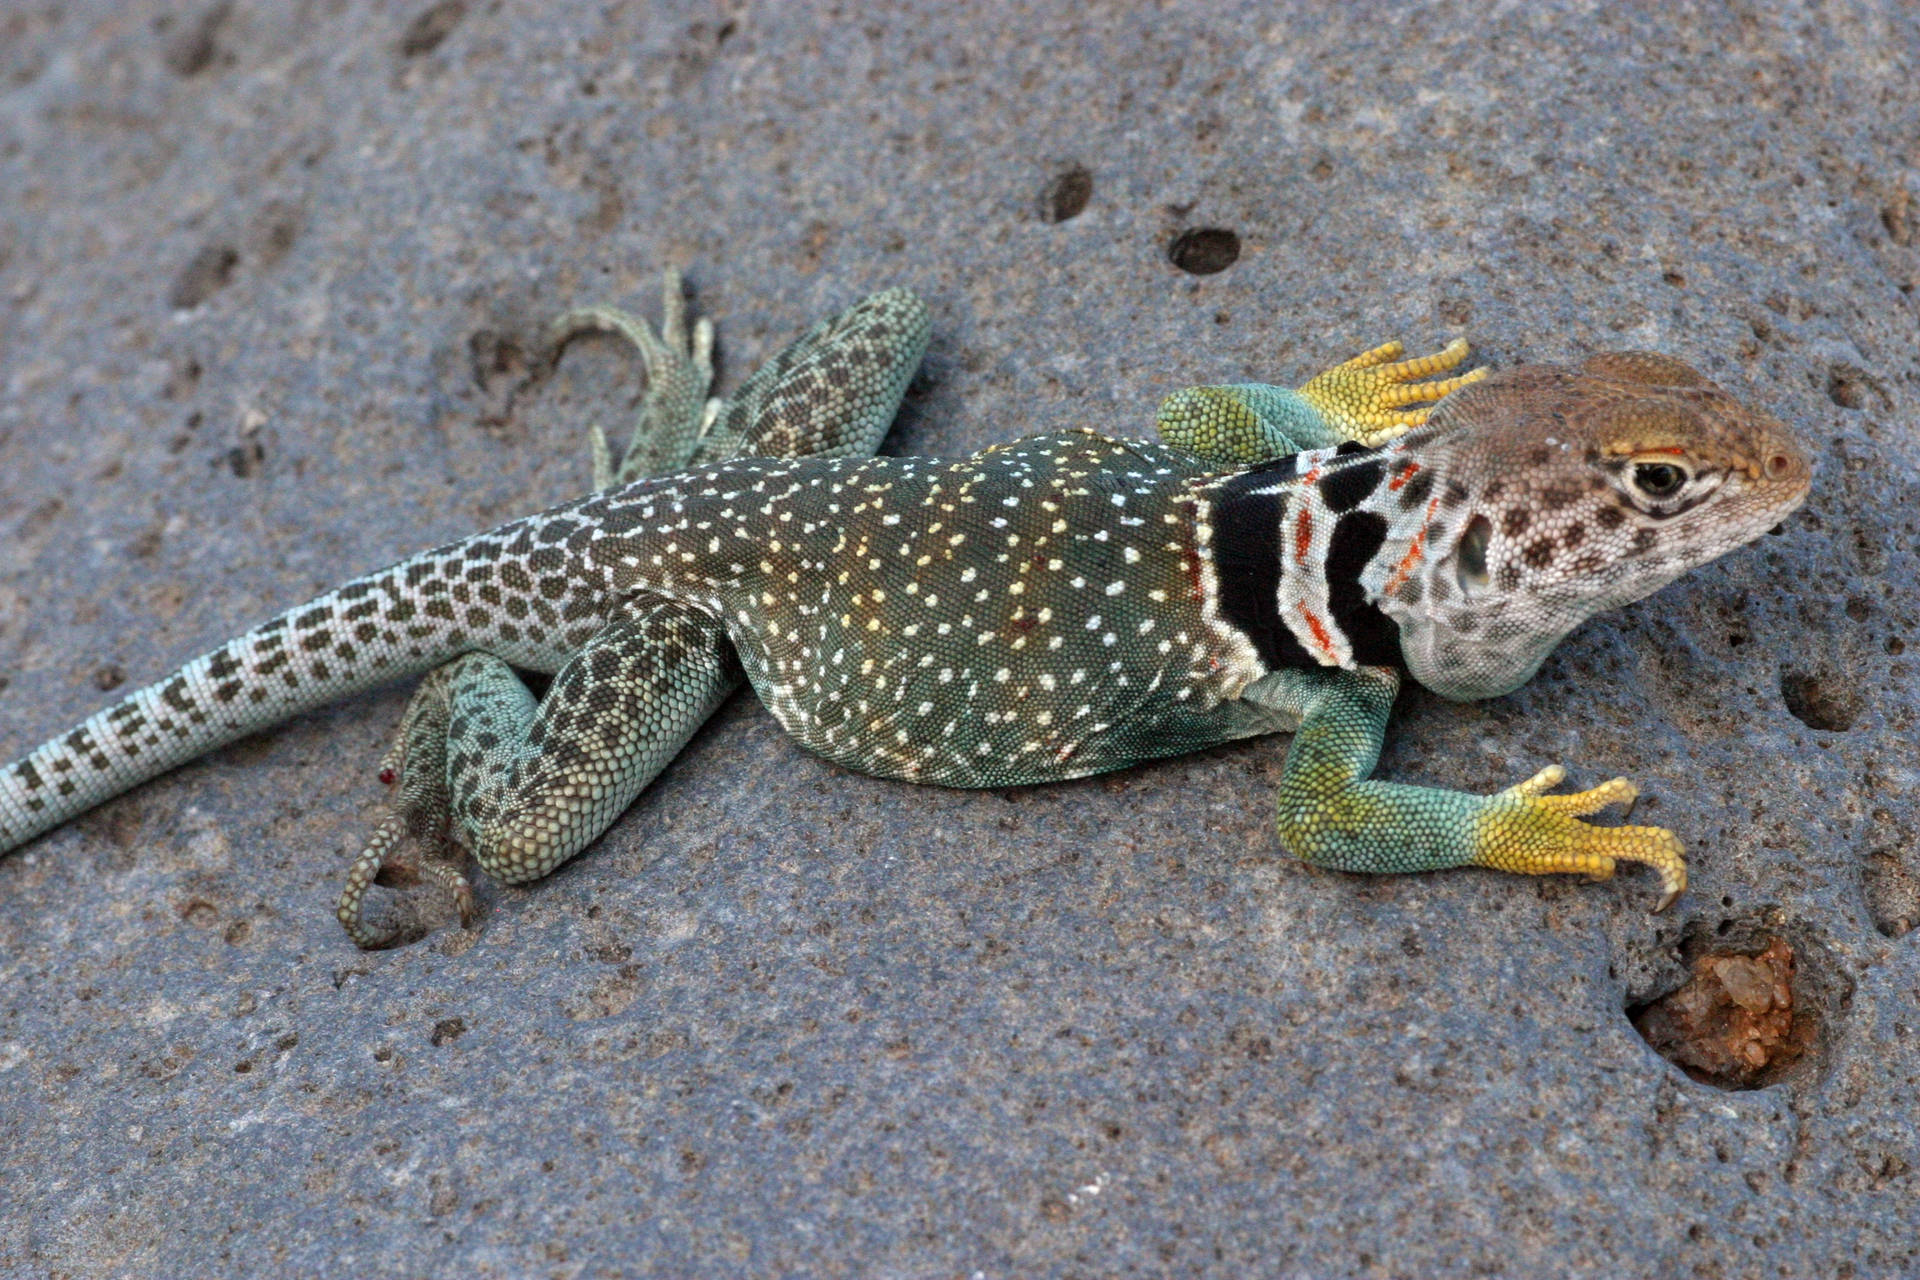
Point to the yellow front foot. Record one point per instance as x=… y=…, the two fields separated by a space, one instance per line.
x=1523 y=829
x=1367 y=398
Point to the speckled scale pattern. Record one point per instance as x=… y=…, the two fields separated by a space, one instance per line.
x=831 y=393
x=524 y=785
x=522 y=604
x=527 y=776
x=1028 y=614
x=1069 y=604
x=1536 y=466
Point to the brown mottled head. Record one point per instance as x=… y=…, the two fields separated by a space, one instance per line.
x=1570 y=491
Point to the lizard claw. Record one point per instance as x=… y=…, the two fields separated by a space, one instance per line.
x=1368 y=397
x=419 y=810
x=351 y=909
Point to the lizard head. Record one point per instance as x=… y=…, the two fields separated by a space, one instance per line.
x=1566 y=492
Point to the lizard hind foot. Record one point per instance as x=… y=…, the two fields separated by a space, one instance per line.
x=678 y=359
x=1525 y=830
x=419 y=813
x=403 y=919
x=1376 y=395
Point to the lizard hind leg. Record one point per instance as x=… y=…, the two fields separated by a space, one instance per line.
x=674 y=413
x=526 y=784
x=830 y=393
x=523 y=783
x=533 y=783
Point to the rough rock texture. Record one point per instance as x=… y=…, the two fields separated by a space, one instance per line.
x=269 y=277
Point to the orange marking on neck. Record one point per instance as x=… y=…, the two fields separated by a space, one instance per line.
x=1415 y=550
x=1402 y=476
x=1319 y=629
x=1303 y=535
x=1407 y=562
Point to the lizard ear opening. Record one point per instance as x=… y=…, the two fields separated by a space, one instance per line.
x=1470 y=558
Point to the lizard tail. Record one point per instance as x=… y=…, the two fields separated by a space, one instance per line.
x=397 y=622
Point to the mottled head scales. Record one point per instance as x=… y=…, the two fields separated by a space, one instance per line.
x=1576 y=491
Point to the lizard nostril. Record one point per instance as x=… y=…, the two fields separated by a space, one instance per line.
x=1779 y=466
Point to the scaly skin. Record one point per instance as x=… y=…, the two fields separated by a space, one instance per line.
x=1042 y=610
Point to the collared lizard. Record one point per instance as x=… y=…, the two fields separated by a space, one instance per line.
x=1046 y=609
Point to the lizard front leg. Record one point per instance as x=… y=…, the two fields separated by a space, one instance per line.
x=1332 y=815
x=1368 y=400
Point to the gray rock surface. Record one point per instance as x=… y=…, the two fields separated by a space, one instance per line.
x=269 y=276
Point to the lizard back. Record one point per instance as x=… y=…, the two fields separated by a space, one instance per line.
x=1041 y=610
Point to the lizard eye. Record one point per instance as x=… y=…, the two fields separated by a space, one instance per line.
x=1658 y=479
